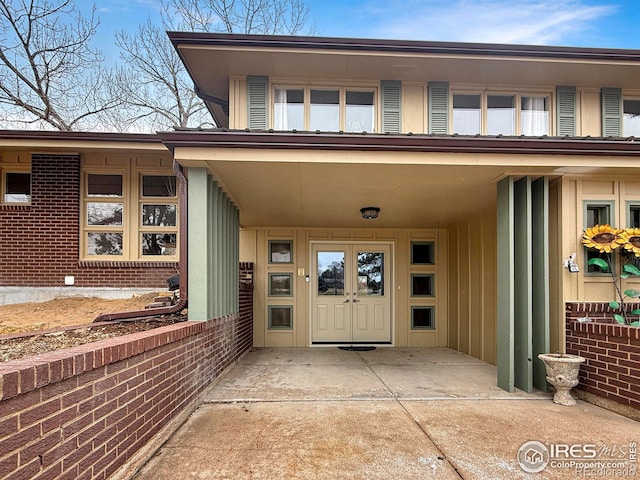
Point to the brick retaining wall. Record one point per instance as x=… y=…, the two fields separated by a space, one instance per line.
x=612 y=351
x=87 y=412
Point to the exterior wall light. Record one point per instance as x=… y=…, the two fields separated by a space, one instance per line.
x=369 y=212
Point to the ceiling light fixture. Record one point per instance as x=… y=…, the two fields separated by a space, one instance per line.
x=369 y=212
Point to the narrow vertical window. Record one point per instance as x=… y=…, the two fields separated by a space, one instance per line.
x=631 y=118
x=158 y=215
x=501 y=115
x=634 y=216
x=104 y=209
x=466 y=114
x=596 y=214
x=534 y=116
x=324 y=113
x=359 y=115
x=288 y=111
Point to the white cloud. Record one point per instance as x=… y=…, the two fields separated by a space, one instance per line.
x=494 y=21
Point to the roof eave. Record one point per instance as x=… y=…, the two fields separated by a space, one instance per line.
x=405 y=143
x=416 y=47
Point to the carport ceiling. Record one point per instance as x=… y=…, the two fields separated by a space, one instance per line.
x=331 y=195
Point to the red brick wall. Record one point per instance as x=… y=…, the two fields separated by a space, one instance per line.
x=41 y=241
x=84 y=412
x=612 y=351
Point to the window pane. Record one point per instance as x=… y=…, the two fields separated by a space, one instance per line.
x=280 y=317
x=288 y=110
x=159 y=215
x=104 y=213
x=634 y=216
x=371 y=273
x=597 y=215
x=280 y=251
x=422 y=317
x=422 y=253
x=159 y=243
x=104 y=185
x=158 y=186
x=104 y=244
x=330 y=273
x=422 y=286
x=466 y=114
x=280 y=284
x=631 y=120
x=325 y=110
x=18 y=187
x=360 y=112
x=534 y=116
x=501 y=115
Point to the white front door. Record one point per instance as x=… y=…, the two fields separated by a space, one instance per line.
x=351 y=293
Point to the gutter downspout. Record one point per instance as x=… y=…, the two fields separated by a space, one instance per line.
x=182 y=303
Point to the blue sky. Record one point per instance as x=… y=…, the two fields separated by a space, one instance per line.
x=592 y=23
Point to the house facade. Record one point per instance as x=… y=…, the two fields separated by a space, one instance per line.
x=486 y=163
x=85 y=213
x=388 y=193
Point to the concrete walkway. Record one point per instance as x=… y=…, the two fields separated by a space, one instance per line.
x=392 y=413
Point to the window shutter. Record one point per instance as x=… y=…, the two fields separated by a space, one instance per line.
x=438 y=107
x=257 y=101
x=611 y=112
x=566 y=111
x=391 y=101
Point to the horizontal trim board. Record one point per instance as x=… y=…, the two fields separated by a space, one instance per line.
x=417 y=143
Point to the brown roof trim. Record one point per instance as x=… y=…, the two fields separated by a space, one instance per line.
x=404 y=143
x=56 y=135
x=405 y=46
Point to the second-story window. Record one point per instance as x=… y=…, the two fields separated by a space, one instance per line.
x=359 y=112
x=534 y=115
x=288 y=109
x=324 y=109
x=466 y=114
x=501 y=115
x=498 y=114
x=631 y=118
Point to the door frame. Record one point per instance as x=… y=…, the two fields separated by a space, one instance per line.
x=391 y=278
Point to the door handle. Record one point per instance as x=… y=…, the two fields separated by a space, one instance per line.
x=355 y=300
x=347 y=301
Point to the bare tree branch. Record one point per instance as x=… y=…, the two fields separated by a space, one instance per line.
x=153 y=83
x=49 y=76
x=244 y=16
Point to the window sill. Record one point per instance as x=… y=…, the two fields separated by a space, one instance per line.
x=127 y=264
x=15 y=207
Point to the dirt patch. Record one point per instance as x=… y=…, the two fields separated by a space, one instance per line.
x=69 y=312
x=62 y=312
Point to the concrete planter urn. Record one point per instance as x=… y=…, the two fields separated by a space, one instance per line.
x=562 y=373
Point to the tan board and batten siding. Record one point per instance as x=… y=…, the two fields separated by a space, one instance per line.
x=457 y=306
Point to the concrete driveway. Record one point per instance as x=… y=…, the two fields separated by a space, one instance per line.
x=391 y=413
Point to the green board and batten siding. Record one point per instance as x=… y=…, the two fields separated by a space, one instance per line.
x=213 y=238
x=523 y=294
